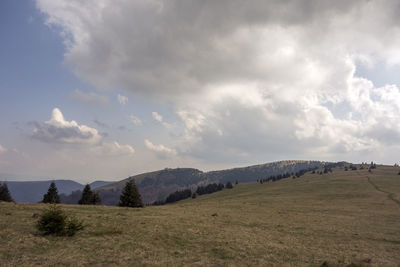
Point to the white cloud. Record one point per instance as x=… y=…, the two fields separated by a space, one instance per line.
x=122 y=99
x=284 y=72
x=58 y=130
x=114 y=149
x=91 y=98
x=2 y=149
x=160 y=150
x=157 y=116
x=135 y=120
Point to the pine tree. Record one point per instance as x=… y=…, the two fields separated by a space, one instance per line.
x=130 y=196
x=229 y=185
x=96 y=199
x=52 y=195
x=5 y=193
x=87 y=196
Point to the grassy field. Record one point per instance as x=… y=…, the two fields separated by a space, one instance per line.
x=343 y=217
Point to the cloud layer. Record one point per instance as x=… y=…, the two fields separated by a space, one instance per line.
x=249 y=80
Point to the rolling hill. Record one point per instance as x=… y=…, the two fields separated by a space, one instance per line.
x=343 y=218
x=158 y=185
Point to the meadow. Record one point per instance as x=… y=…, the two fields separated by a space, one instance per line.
x=340 y=218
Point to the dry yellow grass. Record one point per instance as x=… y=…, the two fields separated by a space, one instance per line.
x=343 y=217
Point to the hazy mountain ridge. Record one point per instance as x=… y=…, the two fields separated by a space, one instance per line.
x=158 y=185
x=33 y=191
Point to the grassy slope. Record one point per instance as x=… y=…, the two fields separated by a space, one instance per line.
x=341 y=217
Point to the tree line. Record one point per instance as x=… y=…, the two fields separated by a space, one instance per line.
x=187 y=193
x=130 y=196
x=298 y=174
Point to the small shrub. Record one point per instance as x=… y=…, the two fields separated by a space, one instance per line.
x=73 y=225
x=54 y=221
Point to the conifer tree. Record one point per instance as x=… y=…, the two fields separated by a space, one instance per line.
x=229 y=185
x=89 y=197
x=130 y=196
x=5 y=193
x=96 y=200
x=52 y=194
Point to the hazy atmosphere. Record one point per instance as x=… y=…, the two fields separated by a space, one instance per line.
x=96 y=89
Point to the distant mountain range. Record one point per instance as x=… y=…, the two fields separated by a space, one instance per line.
x=158 y=185
x=33 y=191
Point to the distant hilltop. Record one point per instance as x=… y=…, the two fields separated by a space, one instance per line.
x=157 y=185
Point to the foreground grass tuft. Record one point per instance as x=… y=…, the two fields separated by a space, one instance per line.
x=54 y=221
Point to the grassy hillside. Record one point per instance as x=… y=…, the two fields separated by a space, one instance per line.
x=158 y=185
x=342 y=217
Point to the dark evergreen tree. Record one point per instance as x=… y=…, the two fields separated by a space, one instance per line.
x=52 y=195
x=96 y=199
x=220 y=186
x=130 y=196
x=229 y=185
x=89 y=197
x=179 y=195
x=5 y=193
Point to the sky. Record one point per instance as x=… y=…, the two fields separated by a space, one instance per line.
x=102 y=90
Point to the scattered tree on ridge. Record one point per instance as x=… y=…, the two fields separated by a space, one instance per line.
x=89 y=197
x=52 y=194
x=210 y=188
x=130 y=196
x=179 y=195
x=5 y=193
x=229 y=185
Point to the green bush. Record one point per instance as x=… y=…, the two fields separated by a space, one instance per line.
x=54 y=221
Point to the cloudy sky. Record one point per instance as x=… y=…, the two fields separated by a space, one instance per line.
x=103 y=89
